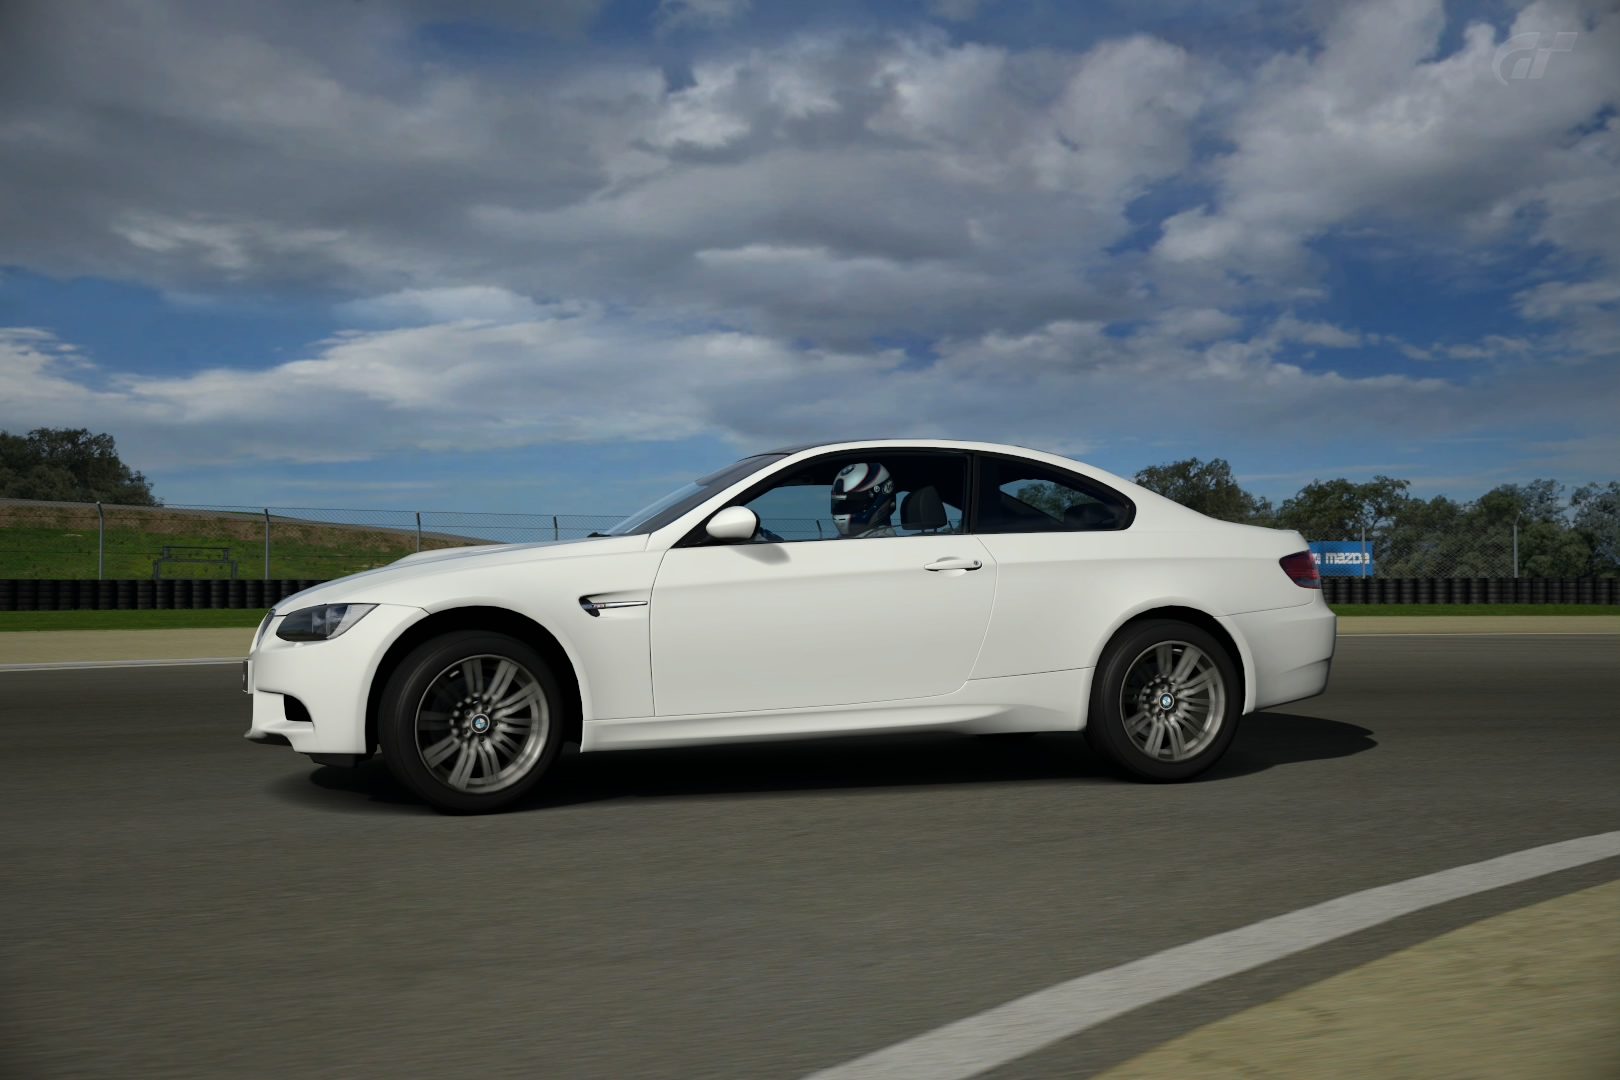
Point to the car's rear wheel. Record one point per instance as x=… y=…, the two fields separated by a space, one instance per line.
x=470 y=721
x=1164 y=701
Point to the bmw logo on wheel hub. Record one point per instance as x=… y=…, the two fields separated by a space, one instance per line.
x=1167 y=702
x=480 y=723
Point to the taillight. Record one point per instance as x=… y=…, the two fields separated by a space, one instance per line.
x=1301 y=570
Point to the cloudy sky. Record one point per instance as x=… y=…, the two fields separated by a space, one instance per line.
x=553 y=257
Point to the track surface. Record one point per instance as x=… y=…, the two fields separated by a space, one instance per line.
x=180 y=903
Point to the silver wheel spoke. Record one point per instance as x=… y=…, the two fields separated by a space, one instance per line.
x=1178 y=746
x=1198 y=685
x=504 y=753
x=516 y=697
x=505 y=672
x=1155 y=739
x=506 y=714
x=434 y=755
x=1172 y=701
x=462 y=773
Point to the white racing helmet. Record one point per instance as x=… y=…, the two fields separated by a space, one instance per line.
x=862 y=498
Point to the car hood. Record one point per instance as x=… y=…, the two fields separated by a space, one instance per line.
x=367 y=585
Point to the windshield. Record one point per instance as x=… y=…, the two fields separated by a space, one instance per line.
x=655 y=515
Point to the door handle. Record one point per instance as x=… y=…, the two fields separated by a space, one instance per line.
x=953 y=563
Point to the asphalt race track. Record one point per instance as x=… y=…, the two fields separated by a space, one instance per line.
x=180 y=903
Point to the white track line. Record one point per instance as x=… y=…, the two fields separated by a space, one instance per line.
x=1007 y=1032
x=82 y=665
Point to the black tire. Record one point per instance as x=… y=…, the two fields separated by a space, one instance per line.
x=443 y=658
x=1106 y=730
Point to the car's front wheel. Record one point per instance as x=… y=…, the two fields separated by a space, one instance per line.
x=470 y=721
x=1165 y=701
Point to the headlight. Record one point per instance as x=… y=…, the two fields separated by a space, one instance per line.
x=321 y=623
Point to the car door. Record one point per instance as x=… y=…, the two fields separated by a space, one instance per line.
x=807 y=616
x=1066 y=564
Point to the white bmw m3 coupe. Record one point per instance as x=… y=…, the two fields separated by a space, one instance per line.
x=836 y=589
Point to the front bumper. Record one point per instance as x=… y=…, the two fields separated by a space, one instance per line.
x=311 y=695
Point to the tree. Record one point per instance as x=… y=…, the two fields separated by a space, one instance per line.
x=1538 y=501
x=1340 y=509
x=1597 y=519
x=68 y=465
x=1428 y=539
x=1205 y=486
x=1548 y=547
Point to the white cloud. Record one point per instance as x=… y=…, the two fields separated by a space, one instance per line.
x=1307 y=332
x=1197 y=324
x=1379 y=127
x=680 y=14
x=988 y=205
x=955 y=10
x=1558 y=298
x=1489 y=347
x=478 y=303
x=995 y=178
x=553 y=377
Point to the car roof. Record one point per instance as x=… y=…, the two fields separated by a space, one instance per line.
x=799 y=448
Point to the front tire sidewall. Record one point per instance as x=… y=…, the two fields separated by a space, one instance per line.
x=1105 y=721
x=396 y=718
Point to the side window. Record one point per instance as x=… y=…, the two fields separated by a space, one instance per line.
x=864 y=496
x=1022 y=496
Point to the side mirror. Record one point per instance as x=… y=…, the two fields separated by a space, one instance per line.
x=732 y=524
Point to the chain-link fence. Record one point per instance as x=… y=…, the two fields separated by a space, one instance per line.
x=90 y=540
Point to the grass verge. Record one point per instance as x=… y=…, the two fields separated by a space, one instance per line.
x=129 y=620
x=1352 y=610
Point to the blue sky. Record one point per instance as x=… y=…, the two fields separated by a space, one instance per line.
x=558 y=257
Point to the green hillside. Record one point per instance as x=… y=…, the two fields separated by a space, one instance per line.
x=60 y=542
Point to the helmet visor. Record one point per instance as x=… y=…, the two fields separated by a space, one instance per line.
x=857 y=504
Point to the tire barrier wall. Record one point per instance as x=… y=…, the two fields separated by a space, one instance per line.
x=142 y=594
x=1419 y=591
x=48 y=594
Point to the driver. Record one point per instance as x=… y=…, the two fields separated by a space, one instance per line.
x=863 y=500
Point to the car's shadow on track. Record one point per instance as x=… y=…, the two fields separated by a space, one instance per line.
x=1265 y=740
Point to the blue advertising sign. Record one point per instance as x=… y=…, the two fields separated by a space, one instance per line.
x=1342 y=558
